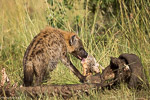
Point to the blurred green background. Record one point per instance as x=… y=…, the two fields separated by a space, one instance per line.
x=106 y=27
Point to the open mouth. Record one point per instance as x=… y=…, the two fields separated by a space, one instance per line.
x=83 y=61
x=79 y=57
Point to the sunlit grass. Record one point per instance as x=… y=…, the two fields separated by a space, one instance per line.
x=21 y=20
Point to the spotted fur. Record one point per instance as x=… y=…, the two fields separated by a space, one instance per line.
x=46 y=49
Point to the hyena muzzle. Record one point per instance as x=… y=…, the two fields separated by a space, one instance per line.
x=46 y=49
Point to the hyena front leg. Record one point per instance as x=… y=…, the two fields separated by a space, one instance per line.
x=66 y=61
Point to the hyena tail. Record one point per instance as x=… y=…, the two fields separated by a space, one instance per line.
x=28 y=75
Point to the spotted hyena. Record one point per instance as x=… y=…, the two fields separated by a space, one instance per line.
x=46 y=49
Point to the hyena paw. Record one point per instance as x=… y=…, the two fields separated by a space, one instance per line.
x=83 y=80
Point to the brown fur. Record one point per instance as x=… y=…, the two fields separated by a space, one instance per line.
x=126 y=68
x=46 y=49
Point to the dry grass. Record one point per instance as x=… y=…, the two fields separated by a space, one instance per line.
x=21 y=20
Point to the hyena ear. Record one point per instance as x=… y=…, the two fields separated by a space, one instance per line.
x=73 y=40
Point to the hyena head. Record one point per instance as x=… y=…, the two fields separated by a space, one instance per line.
x=76 y=48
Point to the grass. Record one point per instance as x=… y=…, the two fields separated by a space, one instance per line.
x=127 y=32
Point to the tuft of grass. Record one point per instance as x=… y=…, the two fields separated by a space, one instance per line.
x=103 y=36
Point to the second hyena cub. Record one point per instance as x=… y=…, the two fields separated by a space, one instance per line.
x=90 y=66
x=46 y=49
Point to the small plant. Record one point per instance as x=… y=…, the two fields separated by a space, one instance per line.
x=107 y=28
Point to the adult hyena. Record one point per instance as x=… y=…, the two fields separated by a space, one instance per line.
x=46 y=49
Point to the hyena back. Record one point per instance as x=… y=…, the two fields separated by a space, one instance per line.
x=46 y=49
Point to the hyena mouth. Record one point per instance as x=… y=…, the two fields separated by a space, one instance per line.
x=83 y=61
x=79 y=57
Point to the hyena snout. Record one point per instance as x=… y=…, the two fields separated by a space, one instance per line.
x=83 y=53
x=80 y=54
x=78 y=51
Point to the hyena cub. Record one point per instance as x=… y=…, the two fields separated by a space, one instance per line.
x=46 y=49
x=90 y=66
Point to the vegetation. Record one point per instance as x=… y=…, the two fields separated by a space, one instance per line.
x=107 y=28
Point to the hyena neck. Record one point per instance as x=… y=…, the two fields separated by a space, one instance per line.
x=67 y=36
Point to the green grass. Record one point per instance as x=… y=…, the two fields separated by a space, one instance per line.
x=127 y=32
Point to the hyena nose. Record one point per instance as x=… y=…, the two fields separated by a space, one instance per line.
x=85 y=54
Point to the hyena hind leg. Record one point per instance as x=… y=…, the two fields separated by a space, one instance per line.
x=39 y=75
x=43 y=73
x=50 y=68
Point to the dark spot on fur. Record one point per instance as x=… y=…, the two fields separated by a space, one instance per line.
x=64 y=53
x=45 y=35
x=30 y=59
x=39 y=51
x=38 y=42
